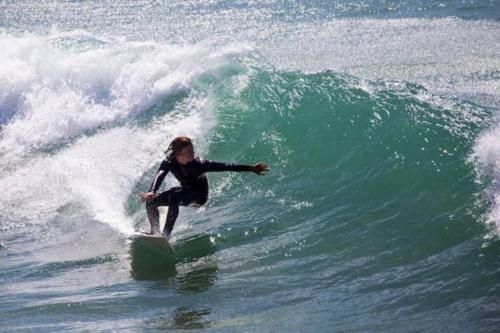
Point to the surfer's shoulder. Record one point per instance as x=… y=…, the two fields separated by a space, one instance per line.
x=165 y=164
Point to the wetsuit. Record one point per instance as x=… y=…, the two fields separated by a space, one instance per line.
x=193 y=189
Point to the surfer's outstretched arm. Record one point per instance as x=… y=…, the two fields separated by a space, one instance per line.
x=211 y=166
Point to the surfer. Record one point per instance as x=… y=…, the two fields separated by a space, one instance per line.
x=190 y=172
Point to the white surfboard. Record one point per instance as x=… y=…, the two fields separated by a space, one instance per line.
x=157 y=242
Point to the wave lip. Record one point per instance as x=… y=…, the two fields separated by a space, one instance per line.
x=55 y=89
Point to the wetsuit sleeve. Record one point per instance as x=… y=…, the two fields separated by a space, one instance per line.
x=160 y=175
x=209 y=166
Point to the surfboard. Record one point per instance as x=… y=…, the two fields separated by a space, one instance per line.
x=156 y=242
x=151 y=257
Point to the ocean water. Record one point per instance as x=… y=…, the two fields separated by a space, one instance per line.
x=380 y=121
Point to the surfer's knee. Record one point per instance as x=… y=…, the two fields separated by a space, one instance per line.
x=174 y=201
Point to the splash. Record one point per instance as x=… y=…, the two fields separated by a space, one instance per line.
x=83 y=118
x=487 y=153
x=64 y=85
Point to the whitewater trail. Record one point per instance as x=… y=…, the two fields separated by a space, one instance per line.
x=76 y=127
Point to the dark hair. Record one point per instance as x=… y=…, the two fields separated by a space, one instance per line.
x=177 y=144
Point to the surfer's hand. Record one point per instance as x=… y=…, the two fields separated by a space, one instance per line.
x=146 y=196
x=259 y=168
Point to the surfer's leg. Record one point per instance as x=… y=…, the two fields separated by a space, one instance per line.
x=153 y=217
x=173 y=212
x=180 y=197
x=161 y=199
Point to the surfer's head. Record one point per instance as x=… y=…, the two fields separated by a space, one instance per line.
x=181 y=149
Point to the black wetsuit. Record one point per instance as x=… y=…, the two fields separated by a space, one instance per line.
x=193 y=189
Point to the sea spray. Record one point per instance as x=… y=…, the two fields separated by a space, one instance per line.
x=87 y=121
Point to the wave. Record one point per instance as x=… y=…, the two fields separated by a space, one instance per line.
x=84 y=117
x=345 y=149
x=379 y=198
x=85 y=120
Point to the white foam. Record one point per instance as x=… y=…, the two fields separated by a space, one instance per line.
x=487 y=152
x=99 y=171
x=61 y=93
x=58 y=89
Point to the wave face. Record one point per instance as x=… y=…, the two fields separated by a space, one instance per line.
x=381 y=210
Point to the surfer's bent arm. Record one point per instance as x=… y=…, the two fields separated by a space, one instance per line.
x=211 y=166
x=160 y=175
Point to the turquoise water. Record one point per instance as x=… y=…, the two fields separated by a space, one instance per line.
x=379 y=120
